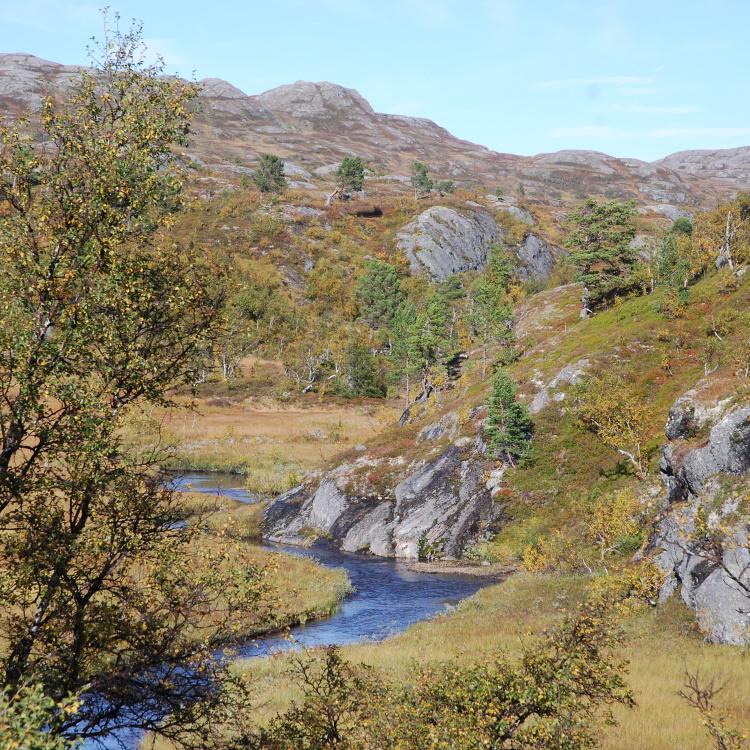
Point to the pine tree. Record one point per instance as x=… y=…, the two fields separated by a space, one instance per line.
x=599 y=244
x=350 y=176
x=408 y=353
x=363 y=377
x=490 y=309
x=490 y=316
x=420 y=179
x=269 y=176
x=509 y=425
x=378 y=294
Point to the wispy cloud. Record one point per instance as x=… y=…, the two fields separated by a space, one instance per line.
x=700 y=132
x=649 y=109
x=596 y=81
x=589 y=131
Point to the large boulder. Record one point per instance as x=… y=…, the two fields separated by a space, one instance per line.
x=441 y=241
x=442 y=500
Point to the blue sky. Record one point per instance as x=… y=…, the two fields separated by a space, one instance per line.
x=635 y=78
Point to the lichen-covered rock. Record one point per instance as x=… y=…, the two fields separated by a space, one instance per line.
x=690 y=413
x=715 y=591
x=709 y=581
x=443 y=501
x=727 y=450
x=568 y=375
x=441 y=241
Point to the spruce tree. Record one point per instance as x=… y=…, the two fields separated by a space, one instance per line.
x=509 y=425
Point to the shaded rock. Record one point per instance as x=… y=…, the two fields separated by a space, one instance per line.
x=537 y=258
x=441 y=241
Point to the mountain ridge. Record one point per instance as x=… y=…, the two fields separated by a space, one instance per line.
x=315 y=124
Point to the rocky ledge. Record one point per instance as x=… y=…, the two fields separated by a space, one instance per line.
x=701 y=542
x=437 y=505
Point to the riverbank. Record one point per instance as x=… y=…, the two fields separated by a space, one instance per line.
x=271 y=443
x=660 y=645
x=491 y=571
x=300 y=590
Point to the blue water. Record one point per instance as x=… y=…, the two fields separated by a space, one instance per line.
x=224 y=484
x=387 y=596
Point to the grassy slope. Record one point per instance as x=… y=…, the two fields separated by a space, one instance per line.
x=660 y=646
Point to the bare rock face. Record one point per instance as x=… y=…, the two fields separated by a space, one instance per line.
x=716 y=587
x=441 y=241
x=25 y=80
x=714 y=591
x=442 y=501
x=732 y=164
x=727 y=451
x=309 y=103
x=536 y=258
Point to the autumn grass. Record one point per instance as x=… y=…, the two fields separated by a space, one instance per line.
x=660 y=646
x=299 y=589
x=273 y=444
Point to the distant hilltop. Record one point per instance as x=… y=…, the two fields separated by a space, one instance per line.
x=313 y=125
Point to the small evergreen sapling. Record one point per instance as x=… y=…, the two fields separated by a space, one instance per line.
x=420 y=179
x=509 y=425
x=350 y=176
x=269 y=176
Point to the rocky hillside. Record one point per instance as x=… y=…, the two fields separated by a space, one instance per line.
x=312 y=125
x=430 y=487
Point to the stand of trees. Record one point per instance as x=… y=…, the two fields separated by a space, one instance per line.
x=103 y=594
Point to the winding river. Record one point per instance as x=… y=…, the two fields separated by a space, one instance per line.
x=387 y=596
